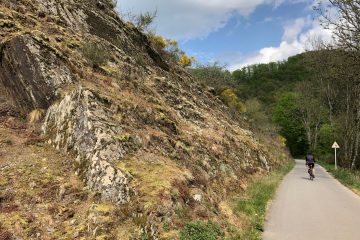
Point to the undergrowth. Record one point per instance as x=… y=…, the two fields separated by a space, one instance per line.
x=201 y=231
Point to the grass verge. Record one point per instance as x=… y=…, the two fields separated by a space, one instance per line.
x=349 y=178
x=253 y=205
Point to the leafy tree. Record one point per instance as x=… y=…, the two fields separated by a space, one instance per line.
x=326 y=139
x=312 y=112
x=286 y=115
x=264 y=81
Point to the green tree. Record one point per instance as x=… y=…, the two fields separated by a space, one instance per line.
x=287 y=116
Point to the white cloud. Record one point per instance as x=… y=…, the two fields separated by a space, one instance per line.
x=295 y=40
x=189 y=19
x=293 y=29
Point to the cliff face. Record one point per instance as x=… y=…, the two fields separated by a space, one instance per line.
x=138 y=129
x=30 y=73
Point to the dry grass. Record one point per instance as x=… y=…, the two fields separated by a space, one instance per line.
x=31 y=177
x=36 y=115
x=153 y=176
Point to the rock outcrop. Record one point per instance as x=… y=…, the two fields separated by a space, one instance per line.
x=30 y=73
x=82 y=124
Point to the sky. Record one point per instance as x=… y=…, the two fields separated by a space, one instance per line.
x=235 y=33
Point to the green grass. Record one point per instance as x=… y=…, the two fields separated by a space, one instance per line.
x=347 y=177
x=255 y=202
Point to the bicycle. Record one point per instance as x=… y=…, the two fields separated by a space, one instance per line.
x=311 y=171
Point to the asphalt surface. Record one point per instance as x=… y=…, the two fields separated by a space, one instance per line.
x=322 y=209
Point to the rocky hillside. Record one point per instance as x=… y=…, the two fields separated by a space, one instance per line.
x=153 y=149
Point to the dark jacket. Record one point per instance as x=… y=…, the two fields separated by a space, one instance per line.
x=310 y=159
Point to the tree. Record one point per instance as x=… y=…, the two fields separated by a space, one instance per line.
x=312 y=113
x=344 y=17
x=287 y=116
x=342 y=76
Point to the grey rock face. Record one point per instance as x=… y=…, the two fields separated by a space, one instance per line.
x=30 y=73
x=81 y=123
x=67 y=10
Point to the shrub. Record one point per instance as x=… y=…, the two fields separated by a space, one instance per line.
x=158 y=41
x=201 y=231
x=96 y=54
x=170 y=51
x=144 y=20
x=185 y=61
x=214 y=75
x=231 y=99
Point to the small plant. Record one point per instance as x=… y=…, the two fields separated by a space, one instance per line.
x=141 y=21
x=144 y=20
x=96 y=54
x=201 y=231
x=36 y=115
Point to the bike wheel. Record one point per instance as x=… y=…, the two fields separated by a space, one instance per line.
x=312 y=176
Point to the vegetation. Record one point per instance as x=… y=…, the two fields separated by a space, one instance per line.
x=170 y=51
x=255 y=203
x=286 y=114
x=168 y=48
x=231 y=99
x=267 y=81
x=201 y=231
x=214 y=75
x=144 y=20
x=95 y=53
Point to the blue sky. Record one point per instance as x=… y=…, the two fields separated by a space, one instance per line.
x=235 y=32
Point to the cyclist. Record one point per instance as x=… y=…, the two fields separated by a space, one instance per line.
x=310 y=162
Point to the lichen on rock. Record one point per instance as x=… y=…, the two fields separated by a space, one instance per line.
x=81 y=124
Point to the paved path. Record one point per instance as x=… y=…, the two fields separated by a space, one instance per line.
x=322 y=209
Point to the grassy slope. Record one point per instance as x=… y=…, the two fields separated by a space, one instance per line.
x=253 y=205
x=41 y=197
x=349 y=178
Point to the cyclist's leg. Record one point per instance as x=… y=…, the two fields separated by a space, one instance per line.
x=312 y=165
